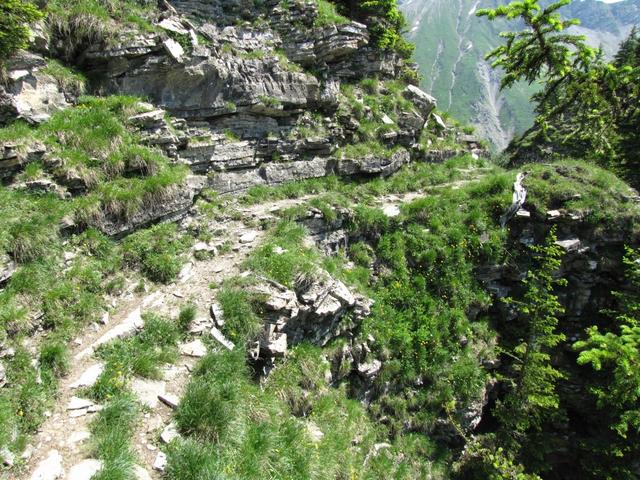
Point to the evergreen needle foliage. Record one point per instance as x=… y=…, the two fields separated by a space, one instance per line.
x=588 y=106
x=531 y=398
x=15 y=16
x=614 y=355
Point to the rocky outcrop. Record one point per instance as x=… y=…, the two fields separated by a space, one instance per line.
x=273 y=173
x=169 y=205
x=373 y=164
x=205 y=83
x=327 y=45
x=28 y=93
x=14 y=156
x=592 y=263
x=314 y=311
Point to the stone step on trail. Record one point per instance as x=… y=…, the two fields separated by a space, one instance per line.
x=50 y=468
x=84 y=470
x=169 y=433
x=131 y=323
x=195 y=349
x=89 y=377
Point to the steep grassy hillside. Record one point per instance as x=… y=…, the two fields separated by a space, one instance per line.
x=451 y=43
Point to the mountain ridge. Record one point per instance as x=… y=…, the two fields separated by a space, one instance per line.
x=451 y=43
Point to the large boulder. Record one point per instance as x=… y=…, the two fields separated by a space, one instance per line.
x=315 y=311
x=424 y=103
x=28 y=93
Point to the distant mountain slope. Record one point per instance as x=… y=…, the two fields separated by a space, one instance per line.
x=451 y=44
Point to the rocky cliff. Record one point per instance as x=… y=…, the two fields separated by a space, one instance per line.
x=271 y=99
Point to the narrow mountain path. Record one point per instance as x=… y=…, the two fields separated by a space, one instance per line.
x=62 y=448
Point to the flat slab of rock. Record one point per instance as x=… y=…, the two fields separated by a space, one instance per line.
x=7 y=457
x=220 y=338
x=173 y=48
x=194 y=349
x=370 y=369
x=160 y=463
x=84 y=470
x=89 y=376
x=570 y=245
x=78 y=437
x=50 y=468
x=169 y=433
x=140 y=473
x=391 y=211
x=217 y=314
x=77 y=403
x=124 y=329
x=169 y=400
x=249 y=237
x=148 y=391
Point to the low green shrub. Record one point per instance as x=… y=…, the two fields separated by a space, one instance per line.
x=283 y=256
x=242 y=322
x=158 y=251
x=112 y=432
x=328 y=15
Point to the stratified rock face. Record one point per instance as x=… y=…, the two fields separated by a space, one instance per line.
x=14 y=157
x=28 y=93
x=327 y=45
x=205 y=86
x=171 y=205
x=592 y=264
x=236 y=102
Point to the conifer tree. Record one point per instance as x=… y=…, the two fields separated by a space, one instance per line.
x=615 y=357
x=587 y=107
x=531 y=397
x=15 y=15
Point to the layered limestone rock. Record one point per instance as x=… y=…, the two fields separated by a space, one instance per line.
x=171 y=205
x=234 y=101
x=28 y=93
x=592 y=263
x=14 y=156
x=314 y=311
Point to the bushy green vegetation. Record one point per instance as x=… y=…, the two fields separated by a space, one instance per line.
x=141 y=355
x=77 y=25
x=420 y=315
x=242 y=320
x=411 y=178
x=15 y=16
x=111 y=436
x=386 y=23
x=283 y=267
x=613 y=352
x=602 y=199
x=328 y=14
x=61 y=296
x=69 y=80
x=587 y=107
x=157 y=251
x=98 y=154
x=373 y=103
x=234 y=428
